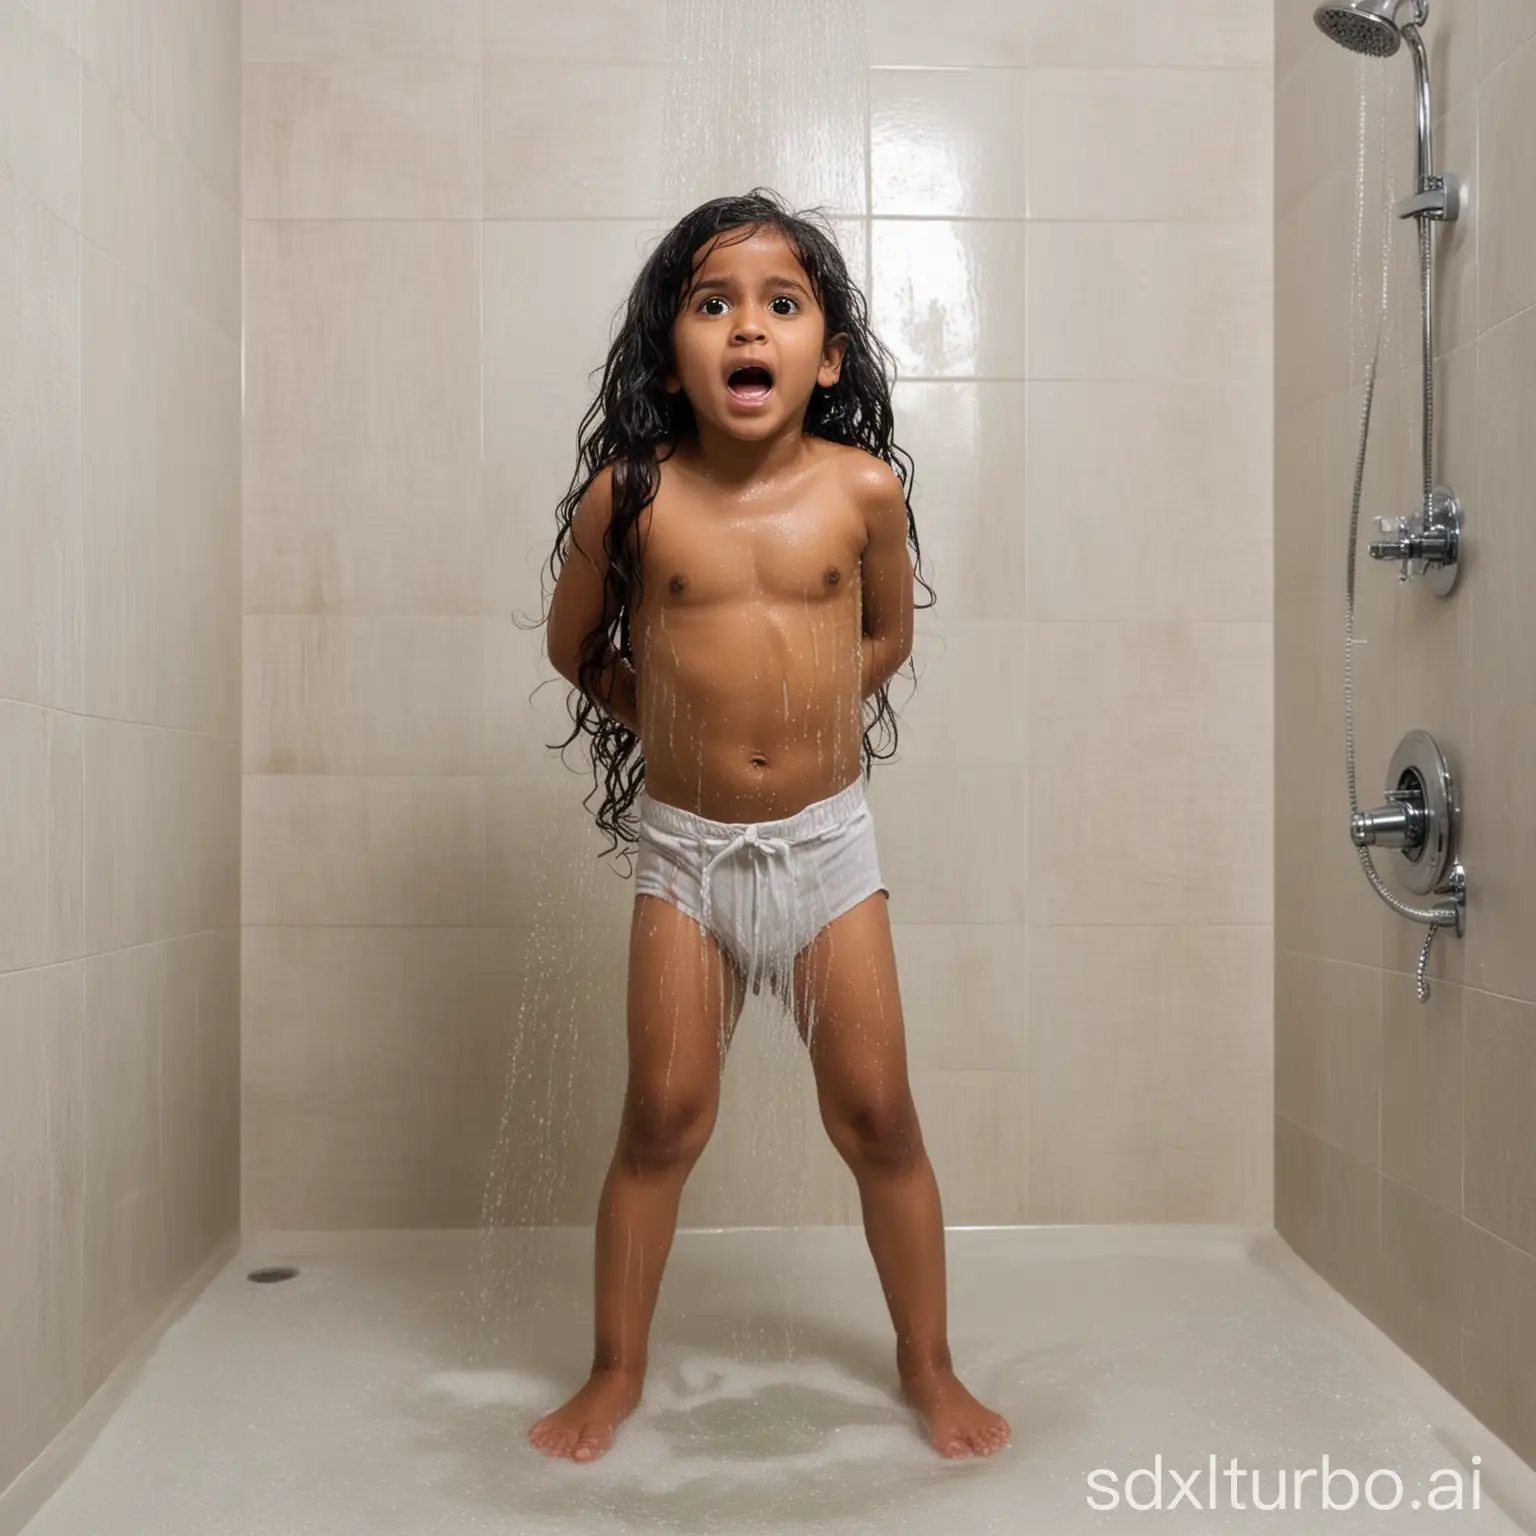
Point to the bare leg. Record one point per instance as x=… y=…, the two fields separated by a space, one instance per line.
x=848 y=1005
x=684 y=1001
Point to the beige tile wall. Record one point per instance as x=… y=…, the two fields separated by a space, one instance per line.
x=1405 y=1147
x=1069 y=248
x=119 y=681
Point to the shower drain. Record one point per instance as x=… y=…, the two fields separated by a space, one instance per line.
x=272 y=1274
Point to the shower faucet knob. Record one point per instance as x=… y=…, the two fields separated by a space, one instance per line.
x=1404 y=547
x=1422 y=544
x=1386 y=549
x=1398 y=825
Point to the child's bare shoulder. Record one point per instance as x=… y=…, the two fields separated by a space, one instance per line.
x=870 y=480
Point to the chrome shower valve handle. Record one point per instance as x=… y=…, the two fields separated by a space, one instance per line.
x=1394 y=548
x=1431 y=547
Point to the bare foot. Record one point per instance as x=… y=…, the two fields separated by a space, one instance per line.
x=959 y=1425
x=583 y=1428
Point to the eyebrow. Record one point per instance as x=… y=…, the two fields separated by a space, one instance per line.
x=774 y=280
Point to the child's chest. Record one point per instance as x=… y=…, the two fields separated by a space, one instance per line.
x=802 y=545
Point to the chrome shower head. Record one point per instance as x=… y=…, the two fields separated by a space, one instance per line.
x=1373 y=27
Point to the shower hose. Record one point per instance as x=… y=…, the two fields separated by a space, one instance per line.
x=1434 y=916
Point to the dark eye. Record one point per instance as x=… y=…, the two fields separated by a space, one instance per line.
x=715 y=298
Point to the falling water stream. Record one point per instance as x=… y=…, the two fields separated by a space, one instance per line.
x=766 y=91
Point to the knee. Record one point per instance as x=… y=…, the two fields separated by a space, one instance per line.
x=665 y=1129
x=880 y=1131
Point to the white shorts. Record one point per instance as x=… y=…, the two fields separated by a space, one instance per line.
x=764 y=889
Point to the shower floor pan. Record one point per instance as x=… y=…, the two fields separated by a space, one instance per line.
x=389 y=1387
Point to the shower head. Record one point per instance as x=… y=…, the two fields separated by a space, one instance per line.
x=1373 y=27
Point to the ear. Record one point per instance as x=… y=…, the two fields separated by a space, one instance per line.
x=832 y=354
x=671 y=383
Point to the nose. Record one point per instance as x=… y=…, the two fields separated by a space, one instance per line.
x=749 y=330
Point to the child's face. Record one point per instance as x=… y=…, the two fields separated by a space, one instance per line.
x=752 y=301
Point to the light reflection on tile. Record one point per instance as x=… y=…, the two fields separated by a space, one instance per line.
x=949 y=296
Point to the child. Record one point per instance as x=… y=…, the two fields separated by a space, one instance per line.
x=739 y=460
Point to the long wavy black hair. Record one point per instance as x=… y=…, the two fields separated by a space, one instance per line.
x=634 y=414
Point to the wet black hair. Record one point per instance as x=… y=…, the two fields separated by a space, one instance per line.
x=633 y=414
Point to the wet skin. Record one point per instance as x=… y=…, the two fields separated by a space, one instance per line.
x=748 y=639
x=777 y=597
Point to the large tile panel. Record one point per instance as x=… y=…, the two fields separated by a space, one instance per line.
x=362 y=417
x=1150 y=773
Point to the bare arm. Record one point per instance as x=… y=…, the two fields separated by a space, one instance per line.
x=580 y=602
x=887 y=575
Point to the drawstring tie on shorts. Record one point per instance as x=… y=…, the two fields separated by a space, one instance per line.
x=750 y=837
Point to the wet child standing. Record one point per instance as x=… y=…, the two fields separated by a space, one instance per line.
x=737 y=522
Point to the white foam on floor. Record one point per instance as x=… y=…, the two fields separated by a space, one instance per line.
x=376 y=1393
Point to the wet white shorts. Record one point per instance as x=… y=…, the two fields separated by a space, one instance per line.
x=764 y=889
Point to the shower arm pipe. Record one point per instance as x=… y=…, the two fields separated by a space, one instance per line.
x=1426 y=125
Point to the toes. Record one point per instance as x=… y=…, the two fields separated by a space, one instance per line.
x=983 y=1440
x=584 y=1443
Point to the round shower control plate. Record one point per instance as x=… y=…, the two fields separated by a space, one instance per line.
x=1419 y=770
x=1445 y=513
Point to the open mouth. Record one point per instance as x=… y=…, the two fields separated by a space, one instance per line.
x=751 y=385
